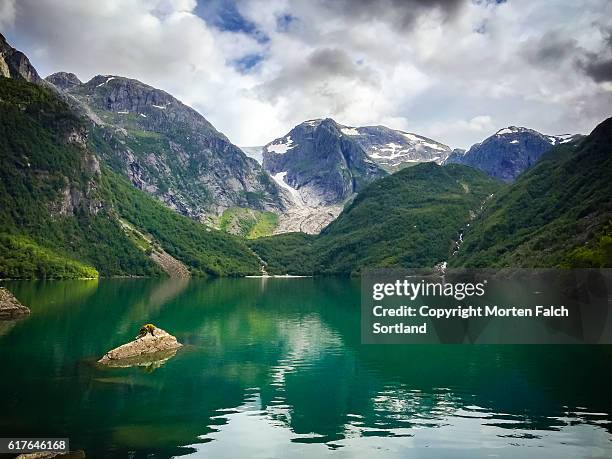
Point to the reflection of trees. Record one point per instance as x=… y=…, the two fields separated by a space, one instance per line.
x=296 y=343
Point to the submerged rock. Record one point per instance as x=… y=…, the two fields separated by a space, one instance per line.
x=148 y=362
x=78 y=454
x=146 y=348
x=10 y=307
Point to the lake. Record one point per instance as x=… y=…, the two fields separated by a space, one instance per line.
x=274 y=368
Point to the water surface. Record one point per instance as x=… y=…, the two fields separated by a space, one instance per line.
x=275 y=368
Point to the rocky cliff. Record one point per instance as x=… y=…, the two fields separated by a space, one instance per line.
x=15 y=64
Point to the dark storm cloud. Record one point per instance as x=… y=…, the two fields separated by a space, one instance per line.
x=400 y=13
x=551 y=49
x=330 y=61
x=599 y=66
x=600 y=70
x=320 y=66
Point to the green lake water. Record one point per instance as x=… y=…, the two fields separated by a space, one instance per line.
x=274 y=368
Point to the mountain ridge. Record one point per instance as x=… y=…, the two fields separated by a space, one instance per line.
x=509 y=151
x=169 y=150
x=558 y=213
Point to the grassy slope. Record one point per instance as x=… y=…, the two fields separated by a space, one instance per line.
x=559 y=213
x=248 y=223
x=38 y=164
x=408 y=219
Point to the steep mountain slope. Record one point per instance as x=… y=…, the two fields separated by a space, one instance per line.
x=509 y=152
x=320 y=168
x=15 y=64
x=392 y=149
x=64 y=215
x=412 y=218
x=169 y=150
x=320 y=162
x=557 y=213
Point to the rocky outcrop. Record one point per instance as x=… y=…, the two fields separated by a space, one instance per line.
x=64 y=80
x=509 y=152
x=10 y=307
x=146 y=348
x=15 y=64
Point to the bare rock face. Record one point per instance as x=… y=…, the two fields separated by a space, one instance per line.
x=319 y=164
x=64 y=80
x=144 y=347
x=15 y=64
x=169 y=150
x=10 y=307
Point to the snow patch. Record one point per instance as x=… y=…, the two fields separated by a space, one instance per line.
x=349 y=131
x=412 y=137
x=107 y=80
x=161 y=107
x=143 y=115
x=505 y=131
x=282 y=147
x=561 y=138
x=123 y=112
x=514 y=141
x=295 y=194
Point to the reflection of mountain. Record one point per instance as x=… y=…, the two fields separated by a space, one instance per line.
x=291 y=356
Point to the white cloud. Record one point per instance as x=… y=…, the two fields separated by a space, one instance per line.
x=455 y=71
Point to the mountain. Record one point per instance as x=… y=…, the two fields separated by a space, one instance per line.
x=558 y=213
x=64 y=80
x=392 y=149
x=168 y=149
x=320 y=162
x=15 y=64
x=412 y=218
x=509 y=152
x=64 y=213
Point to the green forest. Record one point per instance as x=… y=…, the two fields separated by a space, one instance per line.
x=61 y=212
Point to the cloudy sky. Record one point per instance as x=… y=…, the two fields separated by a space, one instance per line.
x=454 y=70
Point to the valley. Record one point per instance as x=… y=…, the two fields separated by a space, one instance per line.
x=113 y=177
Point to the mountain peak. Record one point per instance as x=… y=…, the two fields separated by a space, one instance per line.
x=64 y=80
x=512 y=130
x=510 y=151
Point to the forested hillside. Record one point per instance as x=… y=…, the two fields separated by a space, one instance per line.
x=412 y=218
x=61 y=212
x=559 y=213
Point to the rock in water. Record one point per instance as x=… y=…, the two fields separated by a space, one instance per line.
x=79 y=454
x=10 y=307
x=144 y=346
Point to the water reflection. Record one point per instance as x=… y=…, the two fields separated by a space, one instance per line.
x=277 y=370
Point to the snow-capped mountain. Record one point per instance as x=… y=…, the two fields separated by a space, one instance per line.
x=392 y=149
x=321 y=161
x=509 y=152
